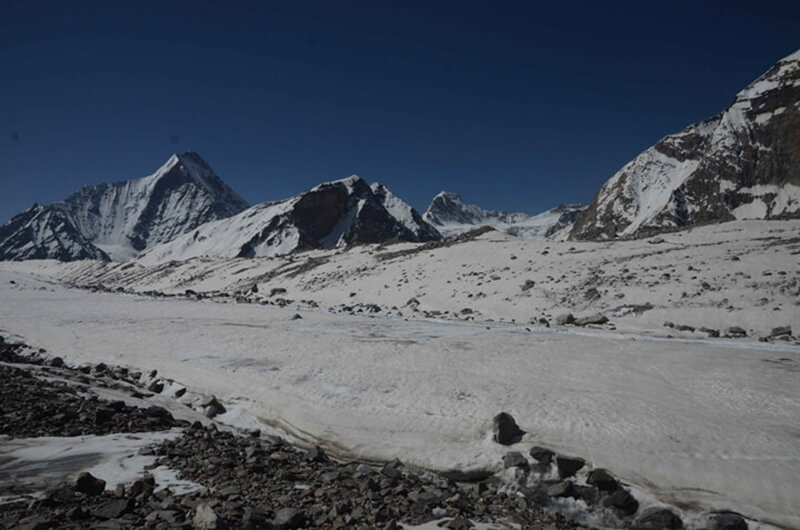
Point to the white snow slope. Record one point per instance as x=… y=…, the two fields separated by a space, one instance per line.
x=448 y=213
x=704 y=423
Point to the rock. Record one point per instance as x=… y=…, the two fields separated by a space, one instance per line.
x=276 y=291
x=89 y=484
x=58 y=362
x=114 y=509
x=711 y=332
x=591 y=294
x=568 y=465
x=316 y=455
x=506 y=430
x=736 y=332
x=529 y=284
x=602 y=479
x=622 y=501
x=212 y=407
x=668 y=324
x=154 y=411
x=458 y=523
x=685 y=327
x=205 y=518
x=156 y=387
x=659 y=519
x=596 y=319
x=726 y=521
x=562 y=489
x=297 y=316
x=776 y=332
x=515 y=459
x=542 y=455
x=290 y=518
x=564 y=319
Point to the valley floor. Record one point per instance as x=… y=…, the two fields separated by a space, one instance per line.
x=701 y=423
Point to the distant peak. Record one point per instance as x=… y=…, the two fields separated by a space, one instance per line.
x=449 y=196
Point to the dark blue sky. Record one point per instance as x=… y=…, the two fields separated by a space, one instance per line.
x=516 y=105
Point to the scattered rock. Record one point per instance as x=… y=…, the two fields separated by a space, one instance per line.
x=659 y=519
x=569 y=465
x=564 y=319
x=596 y=319
x=515 y=459
x=506 y=430
x=622 y=501
x=290 y=518
x=726 y=521
x=542 y=455
x=780 y=331
x=561 y=489
x=205 y=518
x=602 y=479
x=89 y=484
x=736 y=332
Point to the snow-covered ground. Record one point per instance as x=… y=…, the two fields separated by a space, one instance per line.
x=704 y=423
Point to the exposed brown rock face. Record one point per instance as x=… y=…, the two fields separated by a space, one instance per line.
x=741 y=164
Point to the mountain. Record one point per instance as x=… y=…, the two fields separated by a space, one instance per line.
x=333 y=214
x=117 y=221
x=741 y=164
x=450 y=216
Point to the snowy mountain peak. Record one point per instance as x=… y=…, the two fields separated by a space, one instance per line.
x=741 y=164
x=330 y=215
x=449 y=214
x=121 y=219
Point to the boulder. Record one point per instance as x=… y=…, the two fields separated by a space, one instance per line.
x=89 y=484
x=659 y=519
x=602 y=479
x=736 y=331
x=506 y=430
x=561 y=489
x=564 y=319
x=776 y=332
x=542 y=455
x=290 y=518
x=569 y=465
x=596 y=319
x=726 y=521
x=622 y=501
x=515 y=459
x=205 y=518
x=114 y=509
x=212 y=407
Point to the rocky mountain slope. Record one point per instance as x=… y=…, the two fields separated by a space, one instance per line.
x=331 y=215
x=741 y=164
x=448 y=213
x=117 y=221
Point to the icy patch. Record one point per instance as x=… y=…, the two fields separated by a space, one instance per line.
x=33 y=464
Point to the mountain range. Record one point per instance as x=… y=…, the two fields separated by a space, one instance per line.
x=117 y=221
x=743 y=163
x=451 y=216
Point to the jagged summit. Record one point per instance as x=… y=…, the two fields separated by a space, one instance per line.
x=330 y=215
x=449 y=214
x=119 y=220
x=743 y=163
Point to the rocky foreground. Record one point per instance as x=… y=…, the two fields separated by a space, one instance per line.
x=250 y=480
